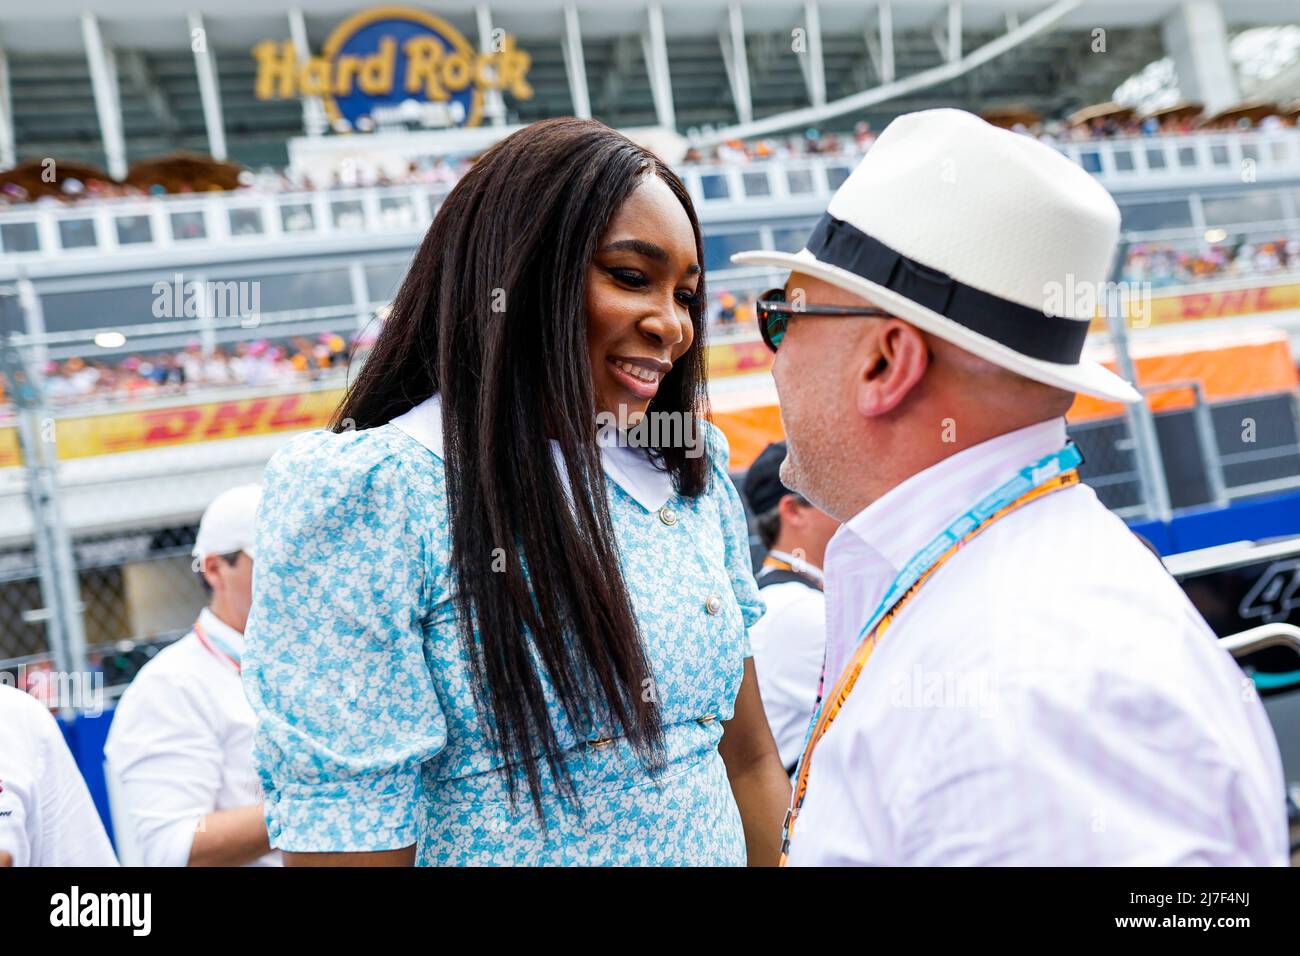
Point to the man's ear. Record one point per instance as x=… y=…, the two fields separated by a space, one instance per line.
x=791 y=512
x=211 y=566
x=895 y=362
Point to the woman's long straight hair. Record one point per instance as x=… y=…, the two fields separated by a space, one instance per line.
x=492 y=315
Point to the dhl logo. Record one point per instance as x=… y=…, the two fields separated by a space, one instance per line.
x=180 y=425
x=378 y=59
x=738 y=358
x=1220 y=304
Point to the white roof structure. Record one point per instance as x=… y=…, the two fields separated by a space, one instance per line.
x=111 y=81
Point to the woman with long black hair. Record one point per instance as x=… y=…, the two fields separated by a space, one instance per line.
x=485 y=631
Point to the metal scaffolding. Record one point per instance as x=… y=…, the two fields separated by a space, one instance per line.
x=62 y=614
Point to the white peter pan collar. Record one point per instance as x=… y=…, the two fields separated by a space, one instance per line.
x=627 y=467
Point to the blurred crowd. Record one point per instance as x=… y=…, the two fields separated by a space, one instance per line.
x=263 y=362
x=266 y=179
x=1167 y=264
x=434 y=171
x=811 y=142
x=1129 y=125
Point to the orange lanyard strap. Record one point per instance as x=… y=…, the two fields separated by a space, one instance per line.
x=844 y=686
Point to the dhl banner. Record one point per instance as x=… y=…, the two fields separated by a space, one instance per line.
x=738 y=358
x=1217 y=304
x=148 y=428
x=145 y=429
x=1226 y=367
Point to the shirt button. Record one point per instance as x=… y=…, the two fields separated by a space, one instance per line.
x=713 y=605
x=706 y=719
x=668 y=516
x=600 y=743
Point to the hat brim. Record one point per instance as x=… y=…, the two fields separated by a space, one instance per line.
x=1088 y=377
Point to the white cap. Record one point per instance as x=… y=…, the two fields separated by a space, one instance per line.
x=227 y=524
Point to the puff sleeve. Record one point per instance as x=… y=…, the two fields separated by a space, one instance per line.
x=334 y=665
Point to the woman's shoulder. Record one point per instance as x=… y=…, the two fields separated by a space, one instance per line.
x=382 y=466
x=351 y=454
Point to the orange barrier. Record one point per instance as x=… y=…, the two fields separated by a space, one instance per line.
x=749 y=431
x=1230 y=365
x=1227 y=366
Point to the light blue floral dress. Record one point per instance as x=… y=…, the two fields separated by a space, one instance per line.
x=368 y=737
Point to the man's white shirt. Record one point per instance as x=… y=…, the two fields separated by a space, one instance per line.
x=789 y=641
x=1049 y=697
x=46 y=815
x=181 y=745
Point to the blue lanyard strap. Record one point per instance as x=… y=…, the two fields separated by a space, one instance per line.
x=1016 y=489
x=219 y=644
x=1024 y=481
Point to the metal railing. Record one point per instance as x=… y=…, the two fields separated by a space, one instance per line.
x=791 y=186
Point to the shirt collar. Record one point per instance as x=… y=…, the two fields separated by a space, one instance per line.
x=905 y=519
x=223 y=632
x=629 y=468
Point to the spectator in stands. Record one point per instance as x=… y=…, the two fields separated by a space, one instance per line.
x=1165 y=264
x=181 y=741
x=46 y=814
x=789 y=641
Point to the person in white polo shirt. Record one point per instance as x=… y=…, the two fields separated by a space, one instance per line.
x=180 y=746
x=46 y=814
x=789 y=640
x=1011 y=676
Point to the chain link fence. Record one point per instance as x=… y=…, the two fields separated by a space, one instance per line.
x=113 y=442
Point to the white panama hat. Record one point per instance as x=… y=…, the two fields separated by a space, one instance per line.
x=978 y=235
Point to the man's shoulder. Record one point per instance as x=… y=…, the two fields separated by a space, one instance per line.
x=1068 y=554
x=180 y=671
x=792 y=604
x=29 y=720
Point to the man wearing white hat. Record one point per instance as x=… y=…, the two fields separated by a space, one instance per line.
x=180 y=746
x=1010 y=675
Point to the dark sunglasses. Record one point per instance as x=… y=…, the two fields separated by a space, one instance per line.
x=774 y=314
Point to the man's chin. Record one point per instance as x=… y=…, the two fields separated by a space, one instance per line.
x=789 y=471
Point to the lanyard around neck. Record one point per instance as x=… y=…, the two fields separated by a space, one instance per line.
x=1052 y=473
x=218 y=648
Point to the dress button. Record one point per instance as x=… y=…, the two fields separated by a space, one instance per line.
x=706 y=719
x=600 y=743
x=713 y=605
x=668 y=516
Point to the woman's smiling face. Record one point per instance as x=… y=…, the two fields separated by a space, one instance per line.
x=641 y=285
